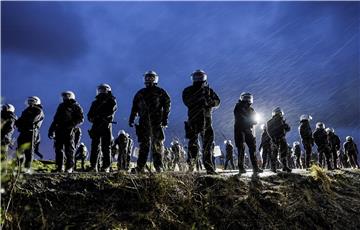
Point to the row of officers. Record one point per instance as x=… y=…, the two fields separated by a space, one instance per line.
x=151 y=105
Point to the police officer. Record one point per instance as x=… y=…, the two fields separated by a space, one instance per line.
x=8 y=119
x=229 y=148
x=68 y=116
x=335 y=145
x=277 y=128
x=122 y=144
x=244 y=122
x=101 y=115
x=322 y=142
x=297 y=152
x=81 y=154
x=200 y=100
x=28 y=125
x=152 y=105
x=265 y=145
x=306 y=137
x=351 y=151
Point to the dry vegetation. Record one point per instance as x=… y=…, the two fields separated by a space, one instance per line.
x=317 y=199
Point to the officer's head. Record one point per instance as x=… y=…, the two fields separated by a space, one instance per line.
x=33 y=100
x=305 y=117
x=8 y=108
x=296 y=143
x=277 y=112
x=121 y=132
x=320 y=125
x=151 y=78
x=103 y=89
x=68 y=95
x=247 y=98
x=329 y=130
x=349 y=139
x=199 y=77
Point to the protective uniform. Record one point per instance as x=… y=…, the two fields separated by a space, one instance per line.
x=122 y=144
x=28 y=126
x=244 y=122
x=306 y=138
x=101 y=115
x=81 y=154
x=152 y=105
x=8 y=119
x=277 y=128
x=68 y=116
x=351 y=151
x=335 y=145
x=266 y=148
x=200 y=100
x=323 y=146
x=229 y=148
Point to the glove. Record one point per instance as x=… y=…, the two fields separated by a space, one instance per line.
x=131 y=124
x=51 y=135
x=164 y=123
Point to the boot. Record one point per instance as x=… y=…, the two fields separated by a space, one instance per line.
x=256 y=168
x=285 y=167
x=241 y=162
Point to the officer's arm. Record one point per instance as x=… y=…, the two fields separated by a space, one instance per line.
x=91 y=113
x=166 y=102
x=79 y=116
x=214 y=99
x=134 y=109
x=186 y=98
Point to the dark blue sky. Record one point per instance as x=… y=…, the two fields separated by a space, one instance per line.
x=302 y=56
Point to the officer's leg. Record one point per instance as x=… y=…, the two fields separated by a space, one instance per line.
x=207 y=144
x=226 y=163
x=335 y=158
x=69 y=150
x=251 y=143
x=193 y=149
x=232 y=163
x=95 y=150
x=321 y=155
x=328 y=156
x=59 y=153
x=240 y=144
x=157 y=147
x=106 y=148
x=283 y=154
x=144 y=147
x=28 y=149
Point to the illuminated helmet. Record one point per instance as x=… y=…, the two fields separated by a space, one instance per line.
x=175 y=142
x=305 y=117
x=33 y=100
x=199 y=76
x=82 y=144
x=67 y=95
x=329 y=130
x=103 y=88
x=320 y=125
x=296 y=143
x=122 y=132
x=151 y=77
x=8 y=107
x=349 y=138
x=263 y=126
x=277 y=111
x=247 y=97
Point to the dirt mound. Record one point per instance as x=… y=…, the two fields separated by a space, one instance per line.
x=186 y=201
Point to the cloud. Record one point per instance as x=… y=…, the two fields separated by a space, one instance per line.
x=45 y=30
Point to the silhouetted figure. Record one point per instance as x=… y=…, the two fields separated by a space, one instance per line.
x=200 y=100
x=28 y=126
x=244 y=122
x=101 y=115
x=229 y=148
x=335 y=145
x=351 y=151
x=277 y=128
x=68 y=116
x=306 y=137
x=8 y=119
x=152 y=105
x=323 y=146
